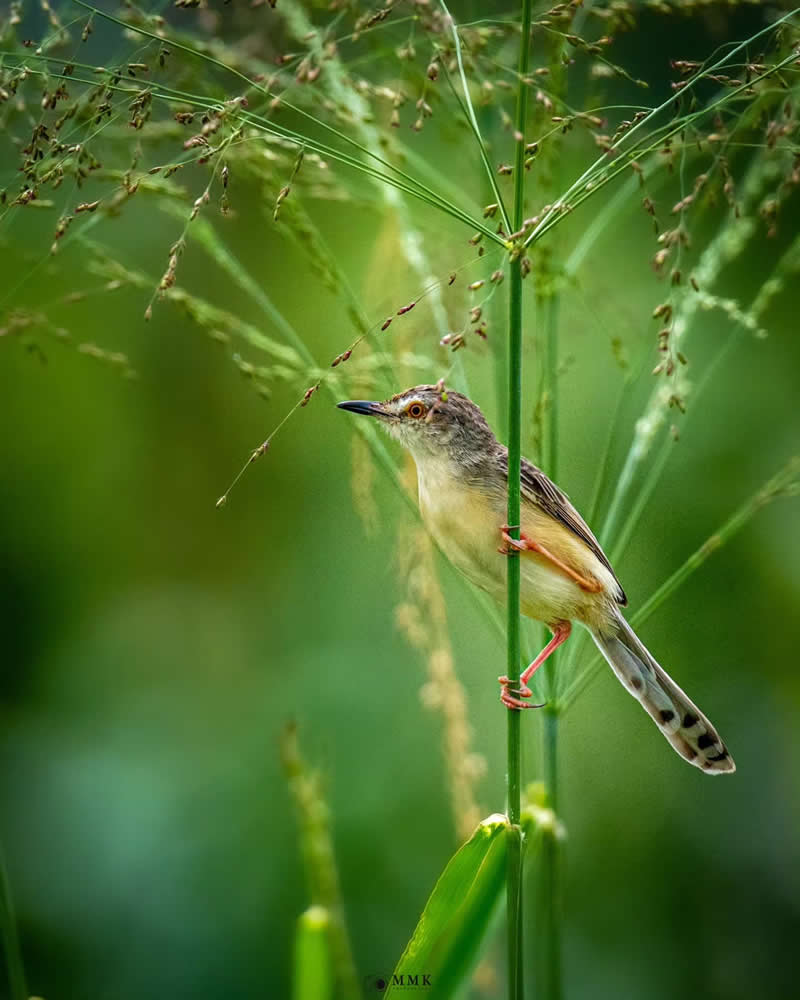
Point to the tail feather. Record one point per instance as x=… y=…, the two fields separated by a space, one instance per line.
x=678 y=718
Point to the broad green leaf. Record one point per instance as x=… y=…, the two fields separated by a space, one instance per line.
x=313 y=977
x=447 y=939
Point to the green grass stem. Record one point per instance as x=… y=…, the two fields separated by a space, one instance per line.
x=550 y=868
x=550 y=910
x=514 y=866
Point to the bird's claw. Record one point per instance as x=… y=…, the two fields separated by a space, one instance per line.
x=518 y=544
x=524 y=544
x=507 y=694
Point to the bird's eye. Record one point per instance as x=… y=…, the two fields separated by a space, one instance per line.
x=416 y=410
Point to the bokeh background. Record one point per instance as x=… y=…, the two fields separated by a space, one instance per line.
x=154 y=647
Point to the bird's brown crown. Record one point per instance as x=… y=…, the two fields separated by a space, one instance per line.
x=428 y=418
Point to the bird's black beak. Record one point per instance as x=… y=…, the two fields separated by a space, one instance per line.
x=363 y=406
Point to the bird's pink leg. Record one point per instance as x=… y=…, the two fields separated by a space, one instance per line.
x=524 y=544
x=561 y=633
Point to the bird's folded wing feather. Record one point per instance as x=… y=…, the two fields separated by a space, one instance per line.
x=538 y=489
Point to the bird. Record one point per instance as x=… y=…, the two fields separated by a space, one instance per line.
x=565 y=577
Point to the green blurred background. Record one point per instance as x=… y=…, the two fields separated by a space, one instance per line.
x=154 y=647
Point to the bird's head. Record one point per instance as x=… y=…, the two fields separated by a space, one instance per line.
x=431 y=422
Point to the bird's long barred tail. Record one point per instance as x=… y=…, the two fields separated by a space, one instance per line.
x=678 y=718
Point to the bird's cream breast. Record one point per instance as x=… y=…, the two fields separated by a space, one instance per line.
x=461 y=519
x=466 y=524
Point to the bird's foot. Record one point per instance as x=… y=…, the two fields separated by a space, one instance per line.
x=524 y=544
x=507 y=694
x=516 y=544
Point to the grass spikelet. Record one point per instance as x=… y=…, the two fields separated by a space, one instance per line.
x=319 y=860
x=422 y=618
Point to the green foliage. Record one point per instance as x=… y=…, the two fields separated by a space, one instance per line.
x=447 y=940
x=449 y=937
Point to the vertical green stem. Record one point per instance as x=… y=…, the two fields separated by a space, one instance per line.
x=500 y=370
x=513 y=631
x=18 y=989
x=551 y=756
x=549 y=971
x=514 y=871
x=549 y=367
x=551 y=908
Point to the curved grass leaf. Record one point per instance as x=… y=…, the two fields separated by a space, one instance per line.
x=447 y=939
x=446 y=943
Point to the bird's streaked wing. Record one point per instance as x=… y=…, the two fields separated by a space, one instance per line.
x=540 y=490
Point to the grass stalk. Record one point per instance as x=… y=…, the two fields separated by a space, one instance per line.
x=316 y=842
x=550 y=869
x=513 y=633
x=514 y=864
x=549 y=933
x=784 y=483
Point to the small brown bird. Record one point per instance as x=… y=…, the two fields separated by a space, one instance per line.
x=462 y=472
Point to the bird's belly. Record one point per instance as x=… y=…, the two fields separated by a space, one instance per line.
x=463 y=531
x=548 y=594
x=468 y=531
